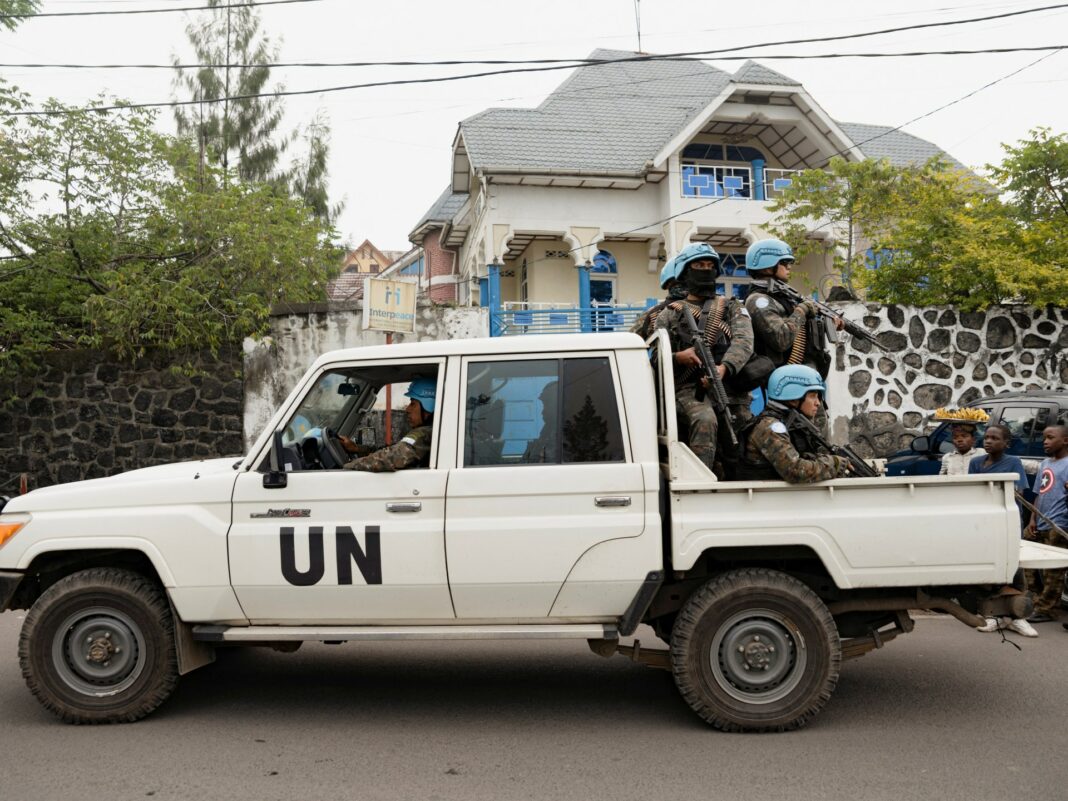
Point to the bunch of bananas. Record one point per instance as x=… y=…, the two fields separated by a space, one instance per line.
x=965 y=414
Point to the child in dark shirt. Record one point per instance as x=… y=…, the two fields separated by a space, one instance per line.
x=995 y=442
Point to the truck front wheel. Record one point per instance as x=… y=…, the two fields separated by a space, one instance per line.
x=755 y=650
x=98 y=647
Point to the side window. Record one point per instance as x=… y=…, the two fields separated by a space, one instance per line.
x=345 y=411
x=541 y=411
x=1022 y=422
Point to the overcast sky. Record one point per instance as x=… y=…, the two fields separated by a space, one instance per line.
x=391 y=145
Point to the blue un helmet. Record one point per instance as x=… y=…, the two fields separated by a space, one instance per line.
x=668 y=273
x=698 y=251
x=424 y=390
x=766 y=254
x=793 y=381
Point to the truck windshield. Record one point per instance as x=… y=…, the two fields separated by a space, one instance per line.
x=326 y=405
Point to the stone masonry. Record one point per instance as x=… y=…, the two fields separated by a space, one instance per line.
x=938 y=357
x=85 y=415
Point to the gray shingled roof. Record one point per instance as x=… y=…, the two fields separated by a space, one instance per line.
x=614 y=117
x=751 y=72
x=898 y=147
x=443 y=209
x=618 y=116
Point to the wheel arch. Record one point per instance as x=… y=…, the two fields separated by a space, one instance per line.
x=46 y=566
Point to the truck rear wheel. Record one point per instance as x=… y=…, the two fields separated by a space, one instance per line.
x=755 y=650
x=98 y=647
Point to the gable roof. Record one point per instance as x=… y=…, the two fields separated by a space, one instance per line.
x=441 y=211
x=611 y=118
x=617 y=116
x=753 y=73
x=899 y=148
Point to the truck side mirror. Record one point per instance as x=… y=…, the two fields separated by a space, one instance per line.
x=920 y=444
x=276 y=477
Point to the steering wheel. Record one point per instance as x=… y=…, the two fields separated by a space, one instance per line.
x=332 y=454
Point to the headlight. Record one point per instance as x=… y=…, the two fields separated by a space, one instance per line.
x=10 y=525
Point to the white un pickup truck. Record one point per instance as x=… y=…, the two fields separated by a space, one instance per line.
x=558 y=502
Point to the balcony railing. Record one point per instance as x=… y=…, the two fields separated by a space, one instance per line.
x=776 y=181
x=597 y=319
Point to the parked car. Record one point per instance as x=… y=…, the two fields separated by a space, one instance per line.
x=1025 y=413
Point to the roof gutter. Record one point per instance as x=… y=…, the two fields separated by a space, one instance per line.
x=489 y=172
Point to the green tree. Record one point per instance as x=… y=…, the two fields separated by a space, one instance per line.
x=851 y=202
x=109 y=237
x=944 y=236
x=244 y=133
x=16 y=7
x=237 y=134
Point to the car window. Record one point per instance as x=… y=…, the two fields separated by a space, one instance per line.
x=541 y=411
x=1026 y=424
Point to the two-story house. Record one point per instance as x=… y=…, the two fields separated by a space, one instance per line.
x=560 y=217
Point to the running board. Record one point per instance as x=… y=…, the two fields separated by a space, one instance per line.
x=537 y=631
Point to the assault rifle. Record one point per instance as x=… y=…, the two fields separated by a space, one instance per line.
x=717 y=393
x=828 y=314
x=858 y=465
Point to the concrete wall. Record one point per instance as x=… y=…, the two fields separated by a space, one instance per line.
x=274 y=364
x=84 y=415
x=939 y=357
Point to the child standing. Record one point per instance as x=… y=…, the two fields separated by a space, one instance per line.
x=1051 y=491
x=996 y=441
x=955 y=463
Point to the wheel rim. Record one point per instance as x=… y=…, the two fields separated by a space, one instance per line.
x=758 y=656
x=98 y=651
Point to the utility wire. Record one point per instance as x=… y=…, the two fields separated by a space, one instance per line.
x=151 y=10
x=552 y=65
x=343 y=64
x=567 y=63
x=405 y=82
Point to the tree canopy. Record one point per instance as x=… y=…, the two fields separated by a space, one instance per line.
x=937 y=234
x=15 y=8
x=112 y=236
x=233 y=127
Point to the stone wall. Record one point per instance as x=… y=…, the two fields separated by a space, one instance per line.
x=938 y=357
x=84 y=415
x=273 y=365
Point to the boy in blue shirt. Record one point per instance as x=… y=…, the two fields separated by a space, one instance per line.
x=1051 y=493
x=996 y=441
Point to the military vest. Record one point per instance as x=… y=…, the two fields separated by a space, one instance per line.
x=756 y=467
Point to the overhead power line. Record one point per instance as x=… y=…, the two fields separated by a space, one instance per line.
x=372 y=84
x=568 y=63
x=344 y=64
x=151 y=10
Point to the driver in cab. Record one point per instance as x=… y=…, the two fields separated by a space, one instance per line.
x=414 y=448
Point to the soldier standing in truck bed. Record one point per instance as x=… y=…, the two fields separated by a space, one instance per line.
x=726 y=328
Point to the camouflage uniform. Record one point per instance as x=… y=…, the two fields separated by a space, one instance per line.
x=777 y=321
x=646 y=322
x=412 y=451
x=772 y=451
x=732 y=345
x=1048 y=599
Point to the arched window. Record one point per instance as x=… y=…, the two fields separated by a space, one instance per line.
x=604 y=262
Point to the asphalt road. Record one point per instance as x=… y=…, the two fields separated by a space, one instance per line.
x=943 y=713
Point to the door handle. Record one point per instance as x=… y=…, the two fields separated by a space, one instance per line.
x=612 y=500
x=404 y=507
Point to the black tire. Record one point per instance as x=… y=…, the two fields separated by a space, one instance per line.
x=98 y=647
x=755 y=650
